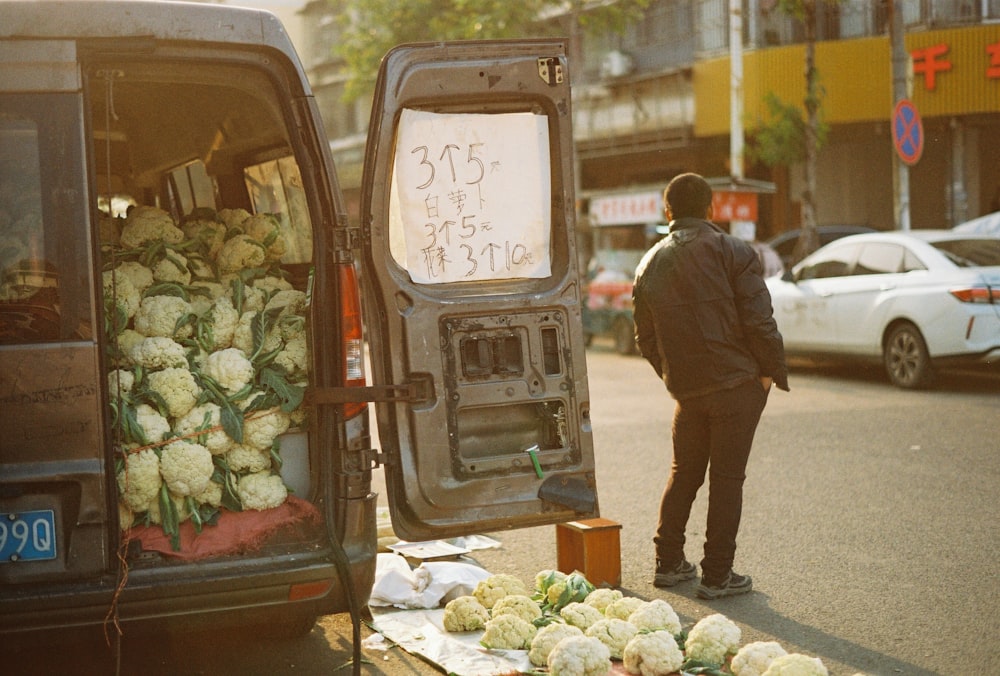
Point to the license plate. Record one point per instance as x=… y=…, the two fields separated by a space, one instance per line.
x=27 y=536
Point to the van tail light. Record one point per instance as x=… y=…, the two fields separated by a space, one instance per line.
x=980 y=293
x=352 y=334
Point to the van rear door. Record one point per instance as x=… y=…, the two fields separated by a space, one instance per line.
x=472 y=296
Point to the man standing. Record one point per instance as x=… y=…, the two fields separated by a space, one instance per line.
x=703 y=320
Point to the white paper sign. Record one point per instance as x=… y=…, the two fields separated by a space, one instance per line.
x=471 y=196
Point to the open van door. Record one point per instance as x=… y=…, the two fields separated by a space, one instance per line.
x=472 y=296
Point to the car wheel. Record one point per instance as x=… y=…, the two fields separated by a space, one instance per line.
x=906 y=359
x=624 y=337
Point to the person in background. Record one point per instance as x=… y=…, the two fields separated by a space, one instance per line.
x=703 y=320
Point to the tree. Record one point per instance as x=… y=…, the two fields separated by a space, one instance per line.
x=371 y=27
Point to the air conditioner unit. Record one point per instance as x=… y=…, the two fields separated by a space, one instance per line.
x=616 y=64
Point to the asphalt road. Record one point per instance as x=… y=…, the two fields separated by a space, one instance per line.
x=870 y=528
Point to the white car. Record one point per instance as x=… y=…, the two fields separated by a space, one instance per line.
x=912 y=300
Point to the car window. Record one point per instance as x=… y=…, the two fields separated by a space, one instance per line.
x=878 y=258
x=835 y=262
x=911 y=262
x=970 y=253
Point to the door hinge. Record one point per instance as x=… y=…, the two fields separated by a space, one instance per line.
x=346 y=239
x=550 y=70
x=416 y=391
x=373 y=458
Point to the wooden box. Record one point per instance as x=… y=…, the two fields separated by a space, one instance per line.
x=593 y=547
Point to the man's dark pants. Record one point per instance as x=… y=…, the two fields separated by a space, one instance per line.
x=714 y=432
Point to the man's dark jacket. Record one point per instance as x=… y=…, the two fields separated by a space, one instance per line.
x=703 y=314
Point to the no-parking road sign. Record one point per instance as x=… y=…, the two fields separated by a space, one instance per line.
x=907 y=132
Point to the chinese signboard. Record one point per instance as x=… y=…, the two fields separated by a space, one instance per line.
x=627 y=209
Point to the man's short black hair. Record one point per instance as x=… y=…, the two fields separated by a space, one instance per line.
x=688 y=196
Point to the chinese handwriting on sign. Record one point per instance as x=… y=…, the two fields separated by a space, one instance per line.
x=472 y=196
x=929 y=61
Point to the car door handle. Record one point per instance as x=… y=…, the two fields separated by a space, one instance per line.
x=887 y=287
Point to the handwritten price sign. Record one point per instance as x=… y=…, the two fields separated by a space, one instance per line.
x=471 y=196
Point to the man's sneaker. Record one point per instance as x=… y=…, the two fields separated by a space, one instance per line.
x=668 y=576
x=732 y=585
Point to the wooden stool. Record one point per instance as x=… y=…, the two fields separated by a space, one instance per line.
x=592 y=547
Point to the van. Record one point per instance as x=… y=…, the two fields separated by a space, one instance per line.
x=186 y=311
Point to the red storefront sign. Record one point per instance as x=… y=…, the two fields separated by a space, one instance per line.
x=734 y=206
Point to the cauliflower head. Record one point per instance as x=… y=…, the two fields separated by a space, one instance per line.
x=186 y=468
x=508 y=632
x=137 y=273
x=294 y=358
x=120 y=380
x=652 y=654
x=178 y=388
x=224 y=319
x=154 y=426
x=242 y=459
x=146 y=224
x=601 y=598
x=203 y=417
x=546 y=638
x=239 y=253
x=495 y=587
x=172 y=269
x=580 y=614
x=119 y=288
x=232 y=218
x=260 y=430
x=753 y=659
x=515 y=604
x=613 y=633
x=579 y=656
x=230 y=368
x=655 y=615
x=158 y=316
x=712 y=638
x=157 y=353
x=465 y=613
x=623 y=608
x=261 y=490
x=139 y=482
x=266 y=229
x=796 y=664
x=212 y=495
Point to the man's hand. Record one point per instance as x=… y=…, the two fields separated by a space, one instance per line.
x=766 y=382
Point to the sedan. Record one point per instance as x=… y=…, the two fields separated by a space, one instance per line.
x=913 y=300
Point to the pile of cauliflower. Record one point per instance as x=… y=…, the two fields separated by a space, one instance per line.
x=590 y=628
x=209 y=355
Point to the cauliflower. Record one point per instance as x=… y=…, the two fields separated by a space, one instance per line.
x=261 y=490
x=205 y=416
x=514 y=604
x=546 y=638
x=295 y=357
x=266 y=229
x=139 y=482
x=128 y=339
x=224 y=320
x=180 y=503
x=243 y=335
x=172 y=268
x=655 y=615
x=212 y=234
x=239 y=253
x=291 y=302
x=243 y=458
x=178 y=388
x=579 y=656
x=712 y=638
x=158 y=316
x=753 y=659
x=495 y=587
x=623 y=607
x=652 y=654
x=580 y=614
x=260 y=431
x=158 y=352
x=230 y=368
x=146 y=224
x=137 y=273
x=613 y=633
x=154 y=426
x=546 y=578
x=186 y=467
x=465 y=613
x=601 y=598
x=796 y=664
x=233 y=218
x=120 y=289
x=271 y=284
x=212 y=495
x=508 y=632
x=120 y=381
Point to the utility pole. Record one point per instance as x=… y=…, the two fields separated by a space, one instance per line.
x=900 y=91
x=736 y=89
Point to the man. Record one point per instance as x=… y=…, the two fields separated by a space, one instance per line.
x=703 y=320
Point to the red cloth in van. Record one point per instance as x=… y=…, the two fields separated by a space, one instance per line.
x=234 y=533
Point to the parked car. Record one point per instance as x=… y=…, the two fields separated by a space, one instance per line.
x=912 y=300
x=784 y=243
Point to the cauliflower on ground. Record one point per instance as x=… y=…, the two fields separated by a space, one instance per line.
x=508 y=632
x=601 y=598
x=712 y=638
x=239 y=253
x=261 y=490
x=796 y=664
x=465 y=613
x=146 y=224
x=158 y=316
x=579 y=656
x=158 y=352
x=652 y=654
x=623 y=607
x=495 y=587
x=655 y=615
x=546 y=578
x=753 y=659
x=178 y=388
x=154 y=426
x=201 y=417
x=580 y=614
x=140 y=481
x=614 y=633
x=243 y=458
x=186 y=468
x=172 y=269
x=546 y=638
x=515 y=604
x=230 y=368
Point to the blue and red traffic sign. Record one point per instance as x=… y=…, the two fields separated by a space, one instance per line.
x=907 y=132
